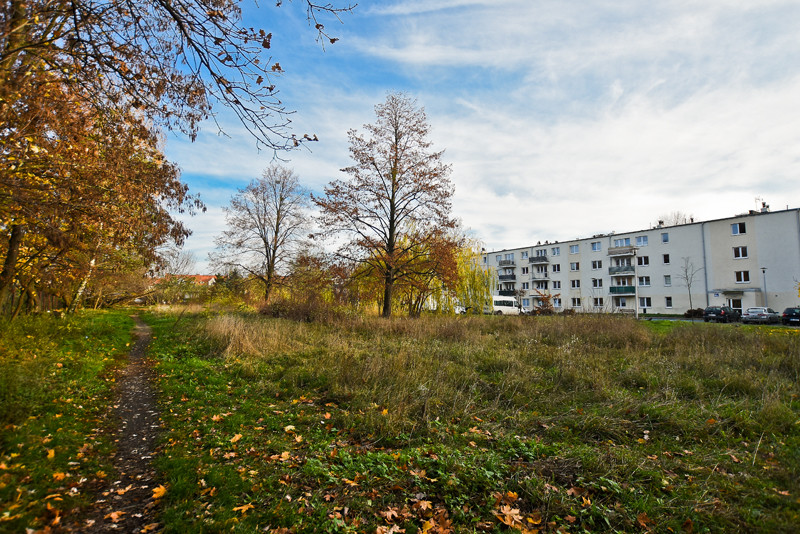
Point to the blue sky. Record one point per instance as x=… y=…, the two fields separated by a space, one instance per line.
x=560 y=119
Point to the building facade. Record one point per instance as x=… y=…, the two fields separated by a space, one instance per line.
x=748 y=260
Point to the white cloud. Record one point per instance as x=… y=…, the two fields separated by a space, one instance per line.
x=561 y=120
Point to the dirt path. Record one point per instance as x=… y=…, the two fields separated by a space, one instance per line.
x=127 y=505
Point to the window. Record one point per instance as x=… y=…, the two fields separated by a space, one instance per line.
x=597 y=264
x=742 y=277
x=526 y=285
x=667 y=280
x=574 y=266
x=498 y=258
x=667 y=302
x=556 y=251
x=541 y=269
x=573 y=249
x=556 y=284
x=620 y=302
x=666 y=259
x=557 y=268
x=575 y=284
x=576 y=302
x=626 y=242
x=645 y=302
x=641 y=241
x=525 y=270
x=541 y=284
x=541 y=253
x=665 y=237
x=485 y=259
x=525 y=255
x=526 y=303
x=597 y=282
x=739 y=252
x=556 y=302
x=738 y=228
x=643 y=260
x=644 y=280
x=509 y=256
x=622 y=262
x=596 y=246
x=598 y=302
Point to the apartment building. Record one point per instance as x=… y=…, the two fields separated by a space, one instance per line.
x=752 y=259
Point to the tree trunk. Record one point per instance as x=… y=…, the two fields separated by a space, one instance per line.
x=10 y=263
x=79 y=294
x=388 y=286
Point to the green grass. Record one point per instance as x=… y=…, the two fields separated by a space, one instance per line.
x=56 y=378
x=478 y=424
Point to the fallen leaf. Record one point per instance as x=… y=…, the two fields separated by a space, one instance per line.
x=243 y=508
x=51 y=453
x=236 y=438
x=159 y=492
x=114 y=516
x=59 y=476
x=149 y=528
x=571 y=518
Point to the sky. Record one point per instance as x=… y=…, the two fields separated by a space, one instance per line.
x=560 y=120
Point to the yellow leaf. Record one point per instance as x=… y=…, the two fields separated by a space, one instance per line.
x=149 y=528
x=159 y=492
x=243 y=508
x=51 y=453
x=236 y=438
x=59 y=476
x=288 y=429
x=385 y=411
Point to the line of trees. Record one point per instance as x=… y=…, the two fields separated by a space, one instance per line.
x=397 y=242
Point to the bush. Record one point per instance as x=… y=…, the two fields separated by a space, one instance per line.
x=696 y=313
x=311 y=310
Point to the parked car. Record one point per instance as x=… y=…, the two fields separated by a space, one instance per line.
x=761 y=315
x=721 y=314
x=791 y=316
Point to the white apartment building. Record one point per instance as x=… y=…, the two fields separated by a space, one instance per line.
x=751 y=259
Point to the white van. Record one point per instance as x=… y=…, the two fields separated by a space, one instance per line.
x=503 y=306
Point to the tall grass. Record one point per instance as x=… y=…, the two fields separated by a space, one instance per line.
x=458 y=368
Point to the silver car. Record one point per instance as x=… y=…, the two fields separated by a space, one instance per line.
x=761 y=315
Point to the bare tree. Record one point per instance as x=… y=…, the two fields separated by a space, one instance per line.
x=264 y=220
x=397 y=197
x=675 y=218
x=687 y=275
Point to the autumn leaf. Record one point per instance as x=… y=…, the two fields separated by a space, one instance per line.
x=114 y=516
x=243 y=508
x=288 y=429
x=59 y=476
x=149 y=528
x=159 y=492
x=571 y=518
x=51 y=453
x=236 y=438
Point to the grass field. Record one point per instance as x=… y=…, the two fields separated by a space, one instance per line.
x=466 y=424
x=479 y=424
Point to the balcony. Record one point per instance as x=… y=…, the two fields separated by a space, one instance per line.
x=506 y=263
x=621 y=269
x=507 y=277
x=622 y=290
x=507 y=293
x=627 y=250
x=540 y=276
x=538 y=259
